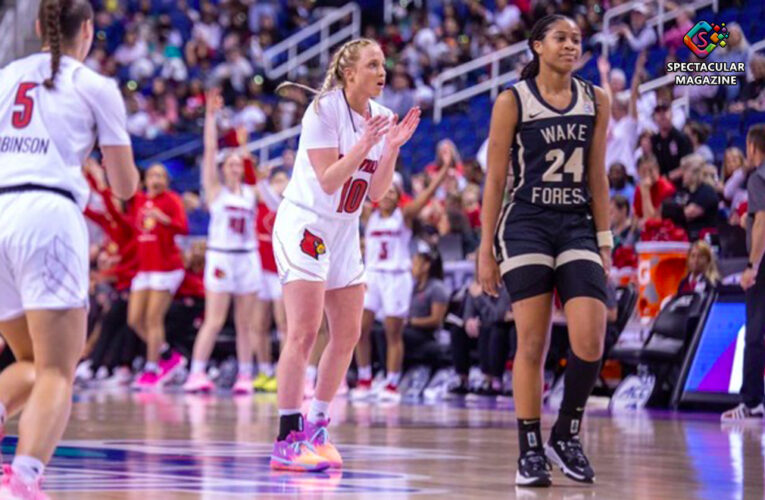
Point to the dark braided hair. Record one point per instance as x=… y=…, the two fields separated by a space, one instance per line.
x=538 y=33
x=60 y=22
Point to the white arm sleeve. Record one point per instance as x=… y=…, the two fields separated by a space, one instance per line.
x=320 y=129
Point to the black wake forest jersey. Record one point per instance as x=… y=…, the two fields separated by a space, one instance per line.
x=551 y=147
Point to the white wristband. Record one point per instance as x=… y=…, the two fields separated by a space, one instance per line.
x=605 y=239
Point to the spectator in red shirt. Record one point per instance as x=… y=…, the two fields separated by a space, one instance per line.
x=654 y=189
x=447 y=156
x=159 y=219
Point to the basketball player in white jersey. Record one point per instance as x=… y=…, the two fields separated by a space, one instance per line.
x=388 y=260
x=348 y=150
x=232 y=263
x=52 y=111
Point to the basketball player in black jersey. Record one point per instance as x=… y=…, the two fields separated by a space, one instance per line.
x=552 y=234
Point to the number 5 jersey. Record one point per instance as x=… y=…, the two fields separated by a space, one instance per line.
x=45 y=135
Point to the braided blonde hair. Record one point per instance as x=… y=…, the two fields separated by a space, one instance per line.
x=344 y=58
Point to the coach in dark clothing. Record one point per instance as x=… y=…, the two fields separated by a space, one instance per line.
x=669 y=144
x=753 y=281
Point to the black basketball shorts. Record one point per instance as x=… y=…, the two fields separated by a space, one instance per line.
x=539 y=250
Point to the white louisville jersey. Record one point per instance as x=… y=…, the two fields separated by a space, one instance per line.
x=232 y=220
x=386 y=242
x=46 y=135
x=335 y=125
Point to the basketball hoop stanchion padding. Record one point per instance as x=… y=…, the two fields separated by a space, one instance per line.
x=661 y=267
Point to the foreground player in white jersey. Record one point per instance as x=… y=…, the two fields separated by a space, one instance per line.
x=348 y=150
x=232 y=263
x=388 y=259
x=52 y=110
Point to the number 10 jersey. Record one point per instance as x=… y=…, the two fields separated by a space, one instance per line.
x=551 y=147
x=333 y=125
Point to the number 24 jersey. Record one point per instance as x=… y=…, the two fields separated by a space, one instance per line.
x=551 y=147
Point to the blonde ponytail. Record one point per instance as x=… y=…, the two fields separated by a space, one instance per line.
x=344 y=58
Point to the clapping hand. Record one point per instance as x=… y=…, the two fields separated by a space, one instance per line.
x=402 y=131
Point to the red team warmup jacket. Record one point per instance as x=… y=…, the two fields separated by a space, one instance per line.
x=157 y=251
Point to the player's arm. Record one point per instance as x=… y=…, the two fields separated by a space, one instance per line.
x=597 y=178
x=110 y=115
x=639 y=69
x=210 y=179
x=332 y=171
x=400 y=132
x=412 y=210
x=504 y=118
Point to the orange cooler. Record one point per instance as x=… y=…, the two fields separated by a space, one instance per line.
x=661 y=267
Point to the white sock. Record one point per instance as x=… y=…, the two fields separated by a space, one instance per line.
x=266 y=369
x=151 y=366
x=3 y=413
x=198 y=366
x=310 y=373
x=284 y=413
x=245 y=370
x=319 y=410
x=365 y=372
x=394 y=378
x=29 y=469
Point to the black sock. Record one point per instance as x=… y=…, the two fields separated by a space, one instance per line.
x=529 y=434
x=289 y=423
x=580 y=379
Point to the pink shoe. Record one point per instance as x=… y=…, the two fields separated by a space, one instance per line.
x=13 y=488
x=308 y=389
x=146 y=381
x=168 y=367
x=243 y=386
x=198 y=382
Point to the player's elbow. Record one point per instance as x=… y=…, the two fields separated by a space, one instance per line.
x=127 y=188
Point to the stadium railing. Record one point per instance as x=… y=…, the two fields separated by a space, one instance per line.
x=262 y=147
x=657 y=21
x=296 y=55
x=14 y=30
x=493 y=84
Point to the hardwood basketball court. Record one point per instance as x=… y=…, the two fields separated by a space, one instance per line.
x=122 y=445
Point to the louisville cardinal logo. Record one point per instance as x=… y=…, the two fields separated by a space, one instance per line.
x=312 y=245
x=219 y=273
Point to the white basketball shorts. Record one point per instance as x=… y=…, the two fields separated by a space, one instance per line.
x=271 y=287
x=43 y=254
x=389 y=293
x=310 y=247
x=234 y=273
x=160 y=281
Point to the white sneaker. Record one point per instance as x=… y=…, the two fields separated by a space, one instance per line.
x=389 y=395
x=84 y=371
x=361 y=392
x=102 y=373
x=743 y=412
